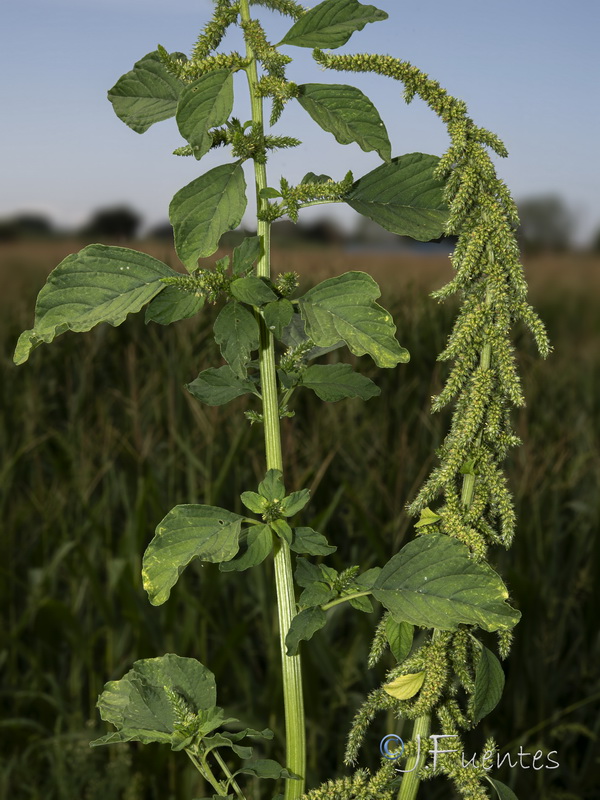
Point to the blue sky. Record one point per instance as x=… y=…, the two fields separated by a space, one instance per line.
x=528 y=69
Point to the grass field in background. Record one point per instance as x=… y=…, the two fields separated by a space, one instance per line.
x=99 y=440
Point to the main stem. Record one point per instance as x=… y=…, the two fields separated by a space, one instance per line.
x=284 y=581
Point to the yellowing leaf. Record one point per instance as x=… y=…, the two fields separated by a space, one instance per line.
x=405 y=686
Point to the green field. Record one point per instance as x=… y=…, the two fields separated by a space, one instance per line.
x=99 y=440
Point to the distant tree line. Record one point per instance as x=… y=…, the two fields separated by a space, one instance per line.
x=547 y=225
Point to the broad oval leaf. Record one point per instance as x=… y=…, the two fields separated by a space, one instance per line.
x=344 y=308
x=187 y=532
x=245 y=254
x=304 y=626
x=405 y=686
x=203 y=105
x=271 y=487
x=348 y=114
x=204 y=209
x=256 y=547
x=400 y=637
x=333 y=382
x=215 y=387
x=434 y=582
x=146 y=94
x=277 y=316
x=403 y=197
x=331 y=24
x=489 y=685
x=265 y=768
x=252 y=290
x=173 y=304
x=307 y=540
x=237 y=334
x=98 y=284
x=141 y=704
x=294 y=502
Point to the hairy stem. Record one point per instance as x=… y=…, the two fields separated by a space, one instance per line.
x=286 y=601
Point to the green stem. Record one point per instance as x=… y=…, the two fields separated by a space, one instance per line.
x=344 y=599
x=284 y=581
x=207 y=773
x=411 y=779
x=231 y=781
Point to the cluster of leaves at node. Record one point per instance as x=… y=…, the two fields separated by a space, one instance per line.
x=172 y=700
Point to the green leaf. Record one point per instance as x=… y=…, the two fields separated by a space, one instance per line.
x=316 y=594
x=271 y=487
x=98 y=284
x=311 y=177
x=363 y=604
x=294 y=335
x=215 y=387
x=367 y=580
x=428 y=517
x=400 y=637
x=173 y=304
x=204 y=209
x=306 y=540
x=245 y=254
x=294 y=502
x=146 y=94
x=187 y=532
x=489 y=685
x=333 y=382
x=140 y=707
x=331 y=24
x=344 y=308
x=254 y=502
x=405 y=686
x=503 y=791
x=265 y=768
x=434 y=582
x=348 y=114
x=304 y=626
x=403 y=197
x=237 y=334
x=252 y=290
x=277 y=316
x=269 y=193
x=203 y=105
x=221 y=739
x=282 y=529
x=256 y=547
x=307 y=573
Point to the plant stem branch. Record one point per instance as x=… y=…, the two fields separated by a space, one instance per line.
x=344 y=599
x=207 y=773
x=231 y=781
x=284 y=582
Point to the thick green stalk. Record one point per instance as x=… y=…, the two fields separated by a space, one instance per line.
x=411 y=779
x=284 y=581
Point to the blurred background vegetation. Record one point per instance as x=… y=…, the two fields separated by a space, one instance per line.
x=99 y=440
